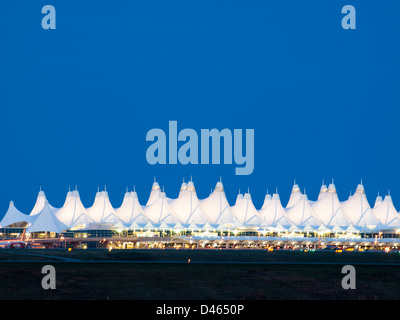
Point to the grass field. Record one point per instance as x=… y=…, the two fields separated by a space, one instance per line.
x=243 y=274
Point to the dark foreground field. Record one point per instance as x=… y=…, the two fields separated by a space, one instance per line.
x=210 y=275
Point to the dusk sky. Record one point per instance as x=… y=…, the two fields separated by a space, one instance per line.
x=77 y=102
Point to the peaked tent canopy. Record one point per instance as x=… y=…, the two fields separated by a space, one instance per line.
x=131 y=210
x=239 y=198
x=323 y=229
x=267 y=201
x=70 y=194
x=154 y=193
x=183 y=188
x=295 y=228
x=187 y=207
x=328 y=209
x=359 y=212
x=160 y=213
x=338 y=229
x=39 y=205
x=279 y=228
x=378 y=201
x=322 y=191
x=309 y=228
x=217 y=208
x=302 y=213
x=246 y=213
x=102 y=211
x=387 y=214
x=274 y=214
x=46 y=220
x=352 y=229
x=294 y=196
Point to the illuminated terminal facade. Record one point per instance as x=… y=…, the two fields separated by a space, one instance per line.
x=189 y=222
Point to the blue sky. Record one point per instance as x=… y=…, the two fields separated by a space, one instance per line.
x=76 y=102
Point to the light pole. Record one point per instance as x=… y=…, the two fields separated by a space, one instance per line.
x=61 y=240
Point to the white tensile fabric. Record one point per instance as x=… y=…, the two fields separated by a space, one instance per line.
x=274 y=214
x=73 y=213
x=40 y=202
x=301 y=214
x=187 y=207
x=328 y=208
x=322 y=192
x=183 y=188
x=69 y=196
x=213 y=212
x=294 y=196
x=386 y=213
x=359 y=212
x=160 y=213
x=245 y=212
x=131 y=211
x=239 y=197
x=154 y=194
x=378 y=201
x=217 y=208
x=267 y=201
x=13 y=216
x=102 y=211
x=46 y=220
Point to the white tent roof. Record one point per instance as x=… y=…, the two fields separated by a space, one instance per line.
x=183 y=188
x=73 y=213
x=294 y=196
x=155 y=192
x=238 y=198
x=328 y=209
x=46 y=220
x=69 y=195
x=274 y=213
x=359 y=212
x=130 y=209
x=322 y=192
x=102 y=211
x=267 y=201
x=187 y=211
x=40 y=202
x=169 y=222
x=187 y=207
x=217 y=208
x=246 y=213
x=323 y=229
x=293 y=227
x=160 y=212
x=352 y=229
x=279 y=228
x=337 y=228
x=387 y=214
x=13 y=215
x=120 y=225
x=378 y=201
x=302 y=213
x=309 y=228
x=148 y=225
x=140 y=222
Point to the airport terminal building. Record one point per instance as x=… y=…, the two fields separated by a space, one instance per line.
x=212 y=222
